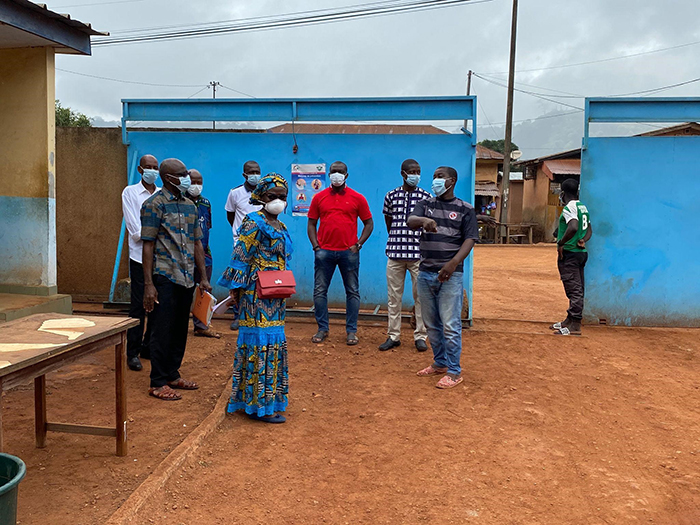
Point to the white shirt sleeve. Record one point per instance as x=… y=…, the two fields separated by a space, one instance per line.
x=570 y=212
x=132 y=214
x=230 y=202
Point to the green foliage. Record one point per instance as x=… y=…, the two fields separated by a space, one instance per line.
x=498 y=145
x=66 y=117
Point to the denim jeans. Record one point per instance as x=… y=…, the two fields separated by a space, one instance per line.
x=442 y=315
x=325 y=262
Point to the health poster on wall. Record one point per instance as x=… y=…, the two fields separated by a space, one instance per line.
x=307 y=181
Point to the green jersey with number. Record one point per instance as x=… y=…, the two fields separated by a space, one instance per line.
x=574 y=210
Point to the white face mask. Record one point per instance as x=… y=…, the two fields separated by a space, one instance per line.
x=195 y=190
x=275 y=207
x=337 y=179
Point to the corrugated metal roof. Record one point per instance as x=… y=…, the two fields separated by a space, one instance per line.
x=359 y=129
x=561 y=167
x=61 y=17
x=483 y=153
x=689 y=128
x=486 y=188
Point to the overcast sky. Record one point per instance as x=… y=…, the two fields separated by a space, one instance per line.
x=415 y=54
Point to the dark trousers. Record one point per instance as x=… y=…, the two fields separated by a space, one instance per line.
x=571 y=272
x=348 y=263
x=170 y=319
x=136 y=341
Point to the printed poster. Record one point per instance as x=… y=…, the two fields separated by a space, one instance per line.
x=307 y=181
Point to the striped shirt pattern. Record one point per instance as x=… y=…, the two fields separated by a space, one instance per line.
x=173 y=223
x=403 y=243
x=456 y=222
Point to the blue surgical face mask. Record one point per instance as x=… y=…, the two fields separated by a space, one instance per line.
x=185 y=183
x=439 y=187
x=254 y=179
x=412 y=180
x=149 y=175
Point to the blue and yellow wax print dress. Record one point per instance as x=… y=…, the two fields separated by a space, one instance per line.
x=260 y=372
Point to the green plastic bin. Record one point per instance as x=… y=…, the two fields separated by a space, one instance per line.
x=12 y=470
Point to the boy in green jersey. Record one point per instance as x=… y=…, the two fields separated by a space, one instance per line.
x=572 y=235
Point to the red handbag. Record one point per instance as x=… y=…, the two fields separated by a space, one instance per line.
x=276 y=284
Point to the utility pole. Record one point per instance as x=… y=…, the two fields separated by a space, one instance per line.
x=509 y=117
x=213 y=84
x=469 y=83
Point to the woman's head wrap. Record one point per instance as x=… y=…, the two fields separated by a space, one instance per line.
x=271 y=180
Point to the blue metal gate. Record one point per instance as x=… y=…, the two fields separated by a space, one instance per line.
x=643 y=194
x=373 y=161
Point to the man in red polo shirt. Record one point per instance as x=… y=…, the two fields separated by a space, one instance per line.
x=336 y=245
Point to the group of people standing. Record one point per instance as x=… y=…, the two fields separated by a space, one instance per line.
x=429 y=237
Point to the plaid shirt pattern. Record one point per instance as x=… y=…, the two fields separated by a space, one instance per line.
x=403 y=243
x=173 y=223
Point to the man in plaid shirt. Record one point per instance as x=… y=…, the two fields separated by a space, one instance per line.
x=403 y=251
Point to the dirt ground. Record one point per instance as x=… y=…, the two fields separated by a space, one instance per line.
x=599 y=429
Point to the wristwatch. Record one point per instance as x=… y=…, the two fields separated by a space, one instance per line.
x=359 y=246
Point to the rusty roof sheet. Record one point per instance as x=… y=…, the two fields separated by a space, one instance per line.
x=483 y=153
x=358 y=129
x=561 y=167
x=486 y=188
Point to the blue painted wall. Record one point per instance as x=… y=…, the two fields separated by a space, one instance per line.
x=643 y=194
x=374 y=166
x=26 y=241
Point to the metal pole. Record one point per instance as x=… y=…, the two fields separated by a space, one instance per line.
x=509 y=117
x=469 y=83
x=213 y=85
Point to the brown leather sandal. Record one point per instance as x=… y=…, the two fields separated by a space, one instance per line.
x=183 y=384
x=164 y=393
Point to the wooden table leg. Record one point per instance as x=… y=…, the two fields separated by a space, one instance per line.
x=529 y=234
x=40 y=410
x=507 y=234
x=2 y=443
x=120 y=374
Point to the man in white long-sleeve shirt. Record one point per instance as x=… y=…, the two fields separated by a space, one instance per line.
x=133 y=197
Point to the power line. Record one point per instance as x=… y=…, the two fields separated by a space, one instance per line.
x=199 y=91
x=292 y=20
x=128 y=81
x=95 y=4
x=531 y=93
x=608 y=59
x=236 y=91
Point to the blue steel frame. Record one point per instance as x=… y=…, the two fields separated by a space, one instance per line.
x=458 y=108
x=659 y=109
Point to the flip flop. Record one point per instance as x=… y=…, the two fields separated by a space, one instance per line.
x=319 y=337
x=164 y=395
x=565 y=331
x=277 y=418
x=183 y=384
x=351 y=339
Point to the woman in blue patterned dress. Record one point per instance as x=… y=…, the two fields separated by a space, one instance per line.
x=260 y=373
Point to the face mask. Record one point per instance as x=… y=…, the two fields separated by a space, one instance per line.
x=149 y=176
x=185 y=183
x=275 y=207
x=439 y=187
x=337 y=179
x=195 y=190
x=412 y=180
x=254 y=179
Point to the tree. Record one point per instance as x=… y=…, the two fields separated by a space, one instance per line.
x=498 y=145
x=66 y=117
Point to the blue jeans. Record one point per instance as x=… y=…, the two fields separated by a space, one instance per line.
x=325 y=262
x=442 y=315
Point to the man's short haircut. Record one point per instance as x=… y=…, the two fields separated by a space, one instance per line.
x=451 y=172
x=342 y=164
x=570 y=187
x=250 y=164
x=142 y=160
x=408 y=164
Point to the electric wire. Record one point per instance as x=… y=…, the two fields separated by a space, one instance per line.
x=128 y=81
x=292 y=20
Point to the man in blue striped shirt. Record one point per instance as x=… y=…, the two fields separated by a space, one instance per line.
x=450 y=230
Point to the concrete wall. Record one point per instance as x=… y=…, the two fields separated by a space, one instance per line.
x=27 y=155
x=91 y=173
x=535 y=192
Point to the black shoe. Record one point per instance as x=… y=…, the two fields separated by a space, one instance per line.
x=134 y=363
x=421 y=345
x=234 y=324
x=389 y=344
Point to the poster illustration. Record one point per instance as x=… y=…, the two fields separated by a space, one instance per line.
x=307 y=181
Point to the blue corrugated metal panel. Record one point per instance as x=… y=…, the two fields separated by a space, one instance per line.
x=642 y=193
x=374 y=166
